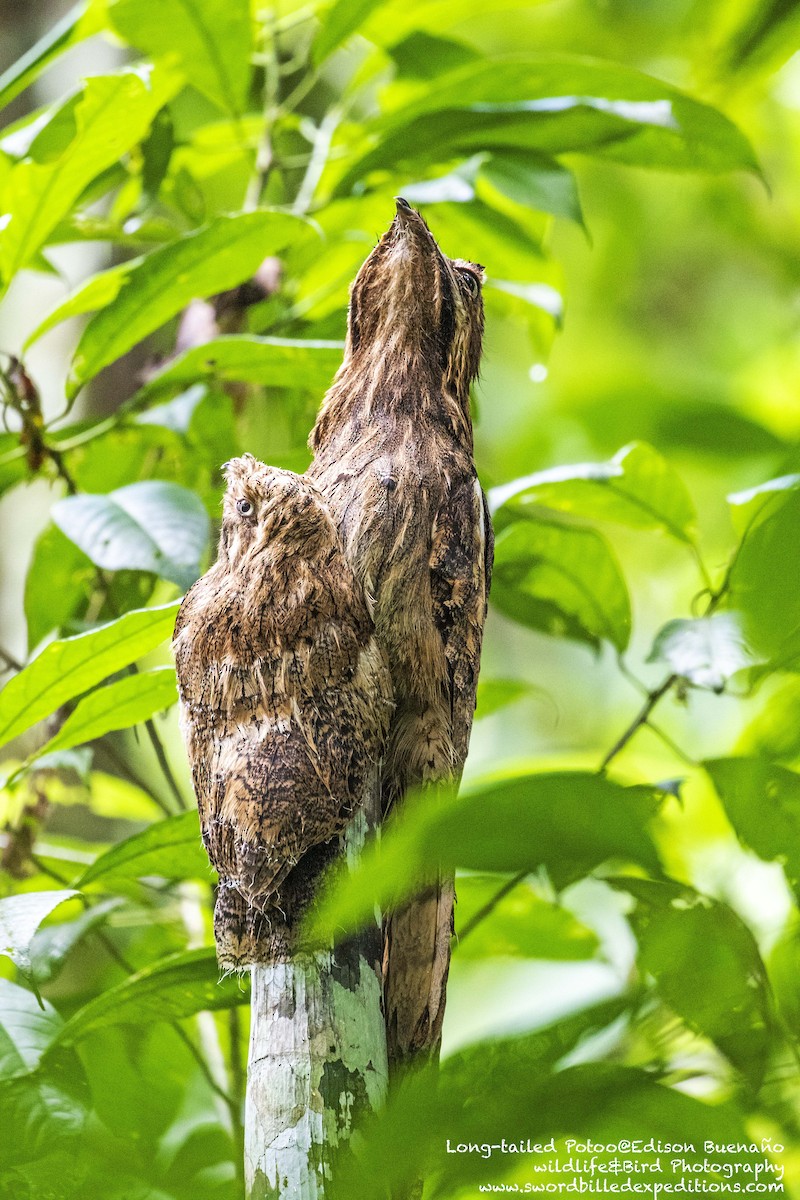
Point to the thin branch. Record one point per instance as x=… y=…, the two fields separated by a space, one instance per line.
x=639 y=720
x=124 y=767
x=491 y=904
x=163 y=762
x=12 y=664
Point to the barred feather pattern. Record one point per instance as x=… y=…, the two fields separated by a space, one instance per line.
x=393 y=457
x=285 y=704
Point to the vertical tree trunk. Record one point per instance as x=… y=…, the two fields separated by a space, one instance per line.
x=317 y=1054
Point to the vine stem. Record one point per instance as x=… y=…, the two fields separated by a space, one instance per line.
x=639 y=720
x=265 y=156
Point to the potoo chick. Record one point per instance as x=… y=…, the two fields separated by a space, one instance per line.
x=393 y=457
x=285 y=703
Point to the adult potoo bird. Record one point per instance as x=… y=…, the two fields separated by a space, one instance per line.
x=285 y=702
x=393 y=457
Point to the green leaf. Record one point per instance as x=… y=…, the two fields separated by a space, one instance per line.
x=52 y=945
x=339 y=21
x=96 y=292
x=572 y=822
x=762 y=803
x=707 y=968
x=533 y=181
x=484 y=1087
x=637 y=487
x=521 y=925
x=765 y=581
x=13 y=465
x=755 y=503
x=705 y=651
x=552 y=104
x=494 y=694
x=294 y=363
x=563 y=580
x=176 y=987
x=119 y=705
x=26 y=1029
x=70 y=666
x=211 y=40
x=774 y=732
x=170 y=848
x=83 y=138
x=148 y=526
x=154 y=288
x=75 y=26
x=20 y=917
x=59 y=581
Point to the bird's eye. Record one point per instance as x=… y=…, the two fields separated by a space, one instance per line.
x=473 y=287
x=244 y=507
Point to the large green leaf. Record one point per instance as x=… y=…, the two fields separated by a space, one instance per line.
x=553 y=104
x=765 y=580
x=58 y=583
x=85 y=136
x=563 y=579
x=762 y=801
x=707 y=968
x=27 y=1027
x=53 y=943
x=21 y=916
x=96 y=292
x=570 y=821
x=532 y=180
x=176 y=987
x=42 y=1105
x=483 y=1088
x=521 y=925
x=339 y=20
x=85 y=19
x=148 y=526
x=211 y=40
x=755 y=503
x=272 y=362
x=70 y=666
x=154 y=288
x=637 y=487
x=704 y=651
x=121 y=704
x=170 y=848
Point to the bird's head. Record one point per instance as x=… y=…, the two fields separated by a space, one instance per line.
x=266 y=509
x=412 y=307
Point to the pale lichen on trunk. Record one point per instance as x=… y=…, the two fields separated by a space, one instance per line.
x=317 y=1055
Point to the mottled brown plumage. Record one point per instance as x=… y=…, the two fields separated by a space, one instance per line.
x=393 y=457
x=285 y=701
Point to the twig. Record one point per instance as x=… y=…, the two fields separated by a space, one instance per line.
x=640 y=720
x=491 y=904
x=12 y=664
x=122 y=765
x=163 y=762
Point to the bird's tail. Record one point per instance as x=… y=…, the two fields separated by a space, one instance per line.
x=240 y=930
x=416 y=963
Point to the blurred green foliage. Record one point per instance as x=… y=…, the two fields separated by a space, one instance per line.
x=627 y=840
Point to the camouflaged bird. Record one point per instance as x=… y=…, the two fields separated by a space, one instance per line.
x=393 y=457
x=285 y=702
